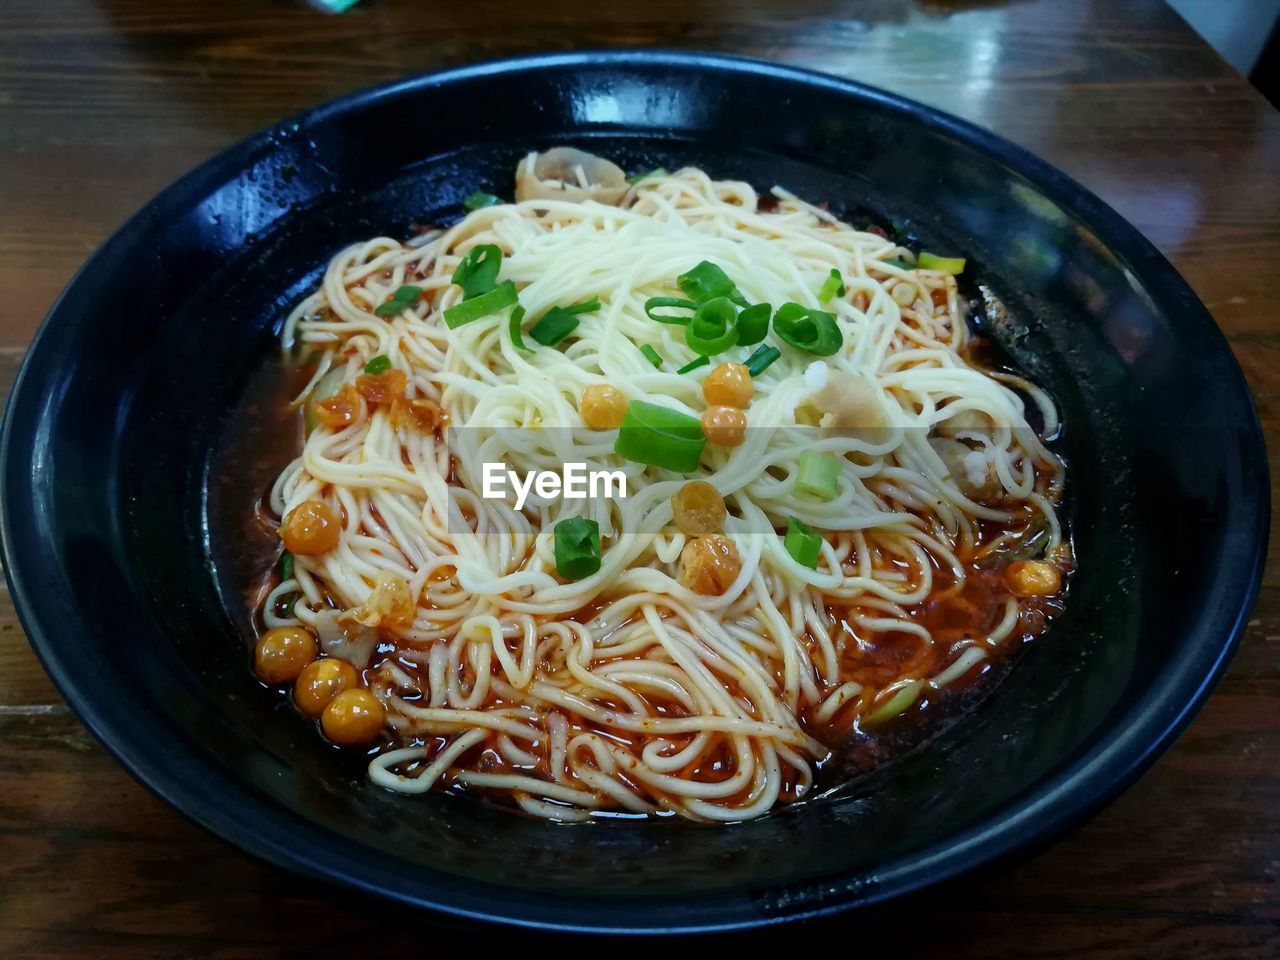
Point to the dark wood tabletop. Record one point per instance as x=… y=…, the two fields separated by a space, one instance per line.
x=104 y=102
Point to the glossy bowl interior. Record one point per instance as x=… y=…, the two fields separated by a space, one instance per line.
x=133 y=379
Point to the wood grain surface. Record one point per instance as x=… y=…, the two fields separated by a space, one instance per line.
x=103 y=103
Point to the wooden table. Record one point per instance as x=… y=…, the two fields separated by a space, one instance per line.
x=103 y=103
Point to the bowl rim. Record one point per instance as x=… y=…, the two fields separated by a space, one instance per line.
x=1044 y=813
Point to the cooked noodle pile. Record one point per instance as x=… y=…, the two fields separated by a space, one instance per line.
x=626 y=690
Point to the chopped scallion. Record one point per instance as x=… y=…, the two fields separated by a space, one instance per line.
x=556 y=324
x=517 y=317
x=833 y=286
x=900 y=264
x=503 y=295
x=652 y=305
x=931 y=261
x=761 y=358
x=477 y=272
x=694 y=364
x=326 y=387
x=803 y=543
x=813 y=331
x=655 y=172
x=652 y=355
x=480 y=199
x=902 y=699
x=660 y=437
x=586 y=306
x=753 y=324
x=379 y=364
x=406 y=295
x=706 y=282
x=286 y=566
x=713 y=328
x=577 y=542
x=817 y=474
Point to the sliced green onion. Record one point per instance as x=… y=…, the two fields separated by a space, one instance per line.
x=653 y=303
x=652 y=355
x=586 y=306
x=503 y=295
x=556 y=324
x=513 y=326
x=817 y=474
x=655 y=172
x=706 y=282
x=1031 y=545
x=833 y=286
x=379 y=364
x=813 y=331
x=694 y=364
x=900 y=264
x=477 y=273
x=931 y=261
x=660 y=437
x=803 y=543
x=326 y=387
x=329 y=385
x=761 y=358
x=480 y=199
x=713 y=328
x=753 y=323
x=577 y=548
x=898 y=703
x=289 y=602
x=286 y=566
x=406 y=295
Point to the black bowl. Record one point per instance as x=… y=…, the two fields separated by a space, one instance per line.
x=134 y=377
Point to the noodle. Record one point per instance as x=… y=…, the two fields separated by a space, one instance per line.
x=625 y=690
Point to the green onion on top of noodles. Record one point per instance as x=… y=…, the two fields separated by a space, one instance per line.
x=684 y=310
x=556 y=324
x=714 y=327
x=652 y=355
x=706 y=281
x=577 y=548
x=482 y=305
x=832 y=287
x=513 y=327
x=818 y=474
x=694 y=364
x=813 y=331
x=660 y=437
x=477 y=272
x=405 y=297
x=586 y=306
x=753 y=323
x=803 y=543
x=761 y=358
